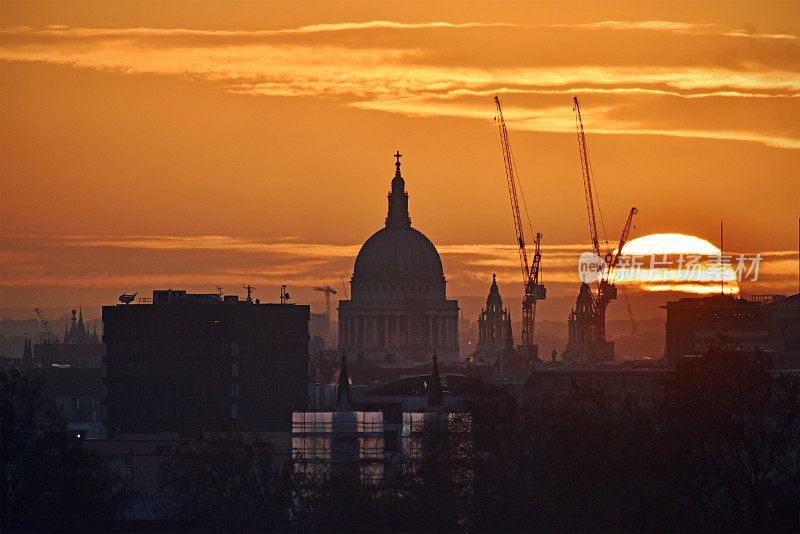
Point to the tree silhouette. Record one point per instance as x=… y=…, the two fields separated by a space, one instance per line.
x=49 y=482
x=224 y=484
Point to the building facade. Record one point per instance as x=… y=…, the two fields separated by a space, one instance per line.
x=398 y=308
x=695 y=323
x=195 y=363
x=495 y=337
x=783 y=322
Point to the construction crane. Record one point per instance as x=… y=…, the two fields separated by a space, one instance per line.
x=50 y=335
x=626 y=300
x=606 y=289
x=328 y=290
x=533 y=290
x=344 y=287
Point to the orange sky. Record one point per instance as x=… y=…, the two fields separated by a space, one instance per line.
x=195 y=144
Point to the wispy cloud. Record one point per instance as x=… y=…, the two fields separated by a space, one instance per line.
x=403 y=78
x=274 y=261
x=659 y=25
x=674 y=27
x=553 y=119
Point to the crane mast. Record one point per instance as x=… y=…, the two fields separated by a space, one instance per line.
x=606 y=290
x=530 y=275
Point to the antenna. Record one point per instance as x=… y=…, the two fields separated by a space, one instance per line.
x=249 y=289
x=284 y=294
x=721 y=263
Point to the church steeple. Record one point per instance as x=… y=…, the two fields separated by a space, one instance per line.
x=27 y=353
x=494 y=302
x=398 y=199
x=435 y=396
x=344 y=398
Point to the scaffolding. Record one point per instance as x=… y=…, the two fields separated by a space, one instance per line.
x=420 y=427
x=323 y=441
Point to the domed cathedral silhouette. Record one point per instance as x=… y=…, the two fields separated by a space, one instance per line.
x=398 y=308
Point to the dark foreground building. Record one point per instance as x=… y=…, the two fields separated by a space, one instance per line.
x=694 y=323
x=195 y=363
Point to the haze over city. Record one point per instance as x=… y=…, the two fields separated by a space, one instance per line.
x=427 y=266
x=178 y=147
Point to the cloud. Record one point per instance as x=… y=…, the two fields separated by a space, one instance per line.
x=554 y=119
x=406 y=77
x=674 y=27
x=89 y=261
x=658 y=25
x=65 y=31
x=213 y=242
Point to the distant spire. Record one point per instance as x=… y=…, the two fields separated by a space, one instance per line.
x=27 y=353
x=494 y=302
x=398 y=199
x=344 y=397
x=435 y=396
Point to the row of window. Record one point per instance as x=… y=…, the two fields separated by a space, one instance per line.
x=270 y=389
x=613 y=382
x=269 y=368
x=173 y=389
x=168 y=411
x=167 y=369
x=203 y=349
x=204 y=328
x=279 y=413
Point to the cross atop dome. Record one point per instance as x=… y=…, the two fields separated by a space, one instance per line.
x=397 y=155
x=398 y=198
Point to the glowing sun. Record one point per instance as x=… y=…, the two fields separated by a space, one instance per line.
x=676 y=262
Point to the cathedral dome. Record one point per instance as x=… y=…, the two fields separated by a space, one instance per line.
x=398 y=250
x=401 y=251
x=397 y=309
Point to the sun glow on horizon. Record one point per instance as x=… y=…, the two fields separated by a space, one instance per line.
x=675 y=262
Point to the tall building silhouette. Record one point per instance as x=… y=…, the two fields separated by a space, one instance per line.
x=194 y=363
